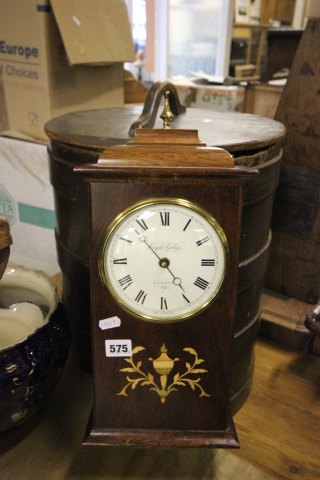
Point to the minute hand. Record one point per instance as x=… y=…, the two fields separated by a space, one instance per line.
x=163 y=262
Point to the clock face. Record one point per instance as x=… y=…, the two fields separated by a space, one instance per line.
x=163 y=259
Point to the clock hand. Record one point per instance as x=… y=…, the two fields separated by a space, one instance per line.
x=142 y=238
x=176 y=280
x=163 y=262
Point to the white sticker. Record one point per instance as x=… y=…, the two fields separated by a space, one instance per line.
x=76 y=20
x=111 y=322
x=118 y=348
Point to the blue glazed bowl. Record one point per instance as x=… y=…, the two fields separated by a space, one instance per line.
x=34 y=343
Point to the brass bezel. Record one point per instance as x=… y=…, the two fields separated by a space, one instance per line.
x=139 y=206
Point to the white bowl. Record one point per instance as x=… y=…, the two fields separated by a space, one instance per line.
x=34 y=343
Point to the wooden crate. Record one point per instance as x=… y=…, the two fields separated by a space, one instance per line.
x=134 y=91
x=262 y=99
x=283 y=321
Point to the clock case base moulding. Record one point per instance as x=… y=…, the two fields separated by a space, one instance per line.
x=161 y=438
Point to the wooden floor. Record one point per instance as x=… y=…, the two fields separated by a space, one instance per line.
x=278 y=430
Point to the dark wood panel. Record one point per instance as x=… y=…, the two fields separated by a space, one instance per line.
x=294 y=268
x=209 y=333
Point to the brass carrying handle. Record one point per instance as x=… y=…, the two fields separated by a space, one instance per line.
x=149 y=113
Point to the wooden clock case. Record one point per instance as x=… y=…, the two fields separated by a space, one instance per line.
x=196 y=352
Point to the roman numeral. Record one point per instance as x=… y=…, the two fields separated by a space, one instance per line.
x=120 y=261
x=142 y=224
x=125 y=239
x=163 y=303
x=201 y=283
x=141 y=297
x=187 y=225
x=202 y=241
x=125 y=282
x=208 y=262
x=165 y=218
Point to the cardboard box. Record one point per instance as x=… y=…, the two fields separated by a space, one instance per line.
x=60 y=56
x=263 y=99
x=26 y=200
x=313 y=9
x=221 y=98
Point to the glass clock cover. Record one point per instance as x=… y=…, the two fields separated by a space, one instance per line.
x=164 y=259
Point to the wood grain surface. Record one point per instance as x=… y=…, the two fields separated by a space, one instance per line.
x=278 y=430
x=185 y=413
x=234 y=131
x=294 y=267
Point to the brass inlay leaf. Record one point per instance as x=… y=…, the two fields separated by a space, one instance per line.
x=163 y=366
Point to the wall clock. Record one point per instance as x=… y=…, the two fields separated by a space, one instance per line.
x=165 y=227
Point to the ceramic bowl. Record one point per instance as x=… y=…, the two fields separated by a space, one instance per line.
x=34 y=343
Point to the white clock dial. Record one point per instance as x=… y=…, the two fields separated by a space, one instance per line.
x=164 y=259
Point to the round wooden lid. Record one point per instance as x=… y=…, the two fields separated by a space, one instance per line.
x=233 y=131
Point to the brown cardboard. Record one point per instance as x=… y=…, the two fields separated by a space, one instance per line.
x=313 y=9
x=37 y=79
x=92 y=33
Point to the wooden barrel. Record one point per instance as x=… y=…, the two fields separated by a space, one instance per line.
x=78 y=138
